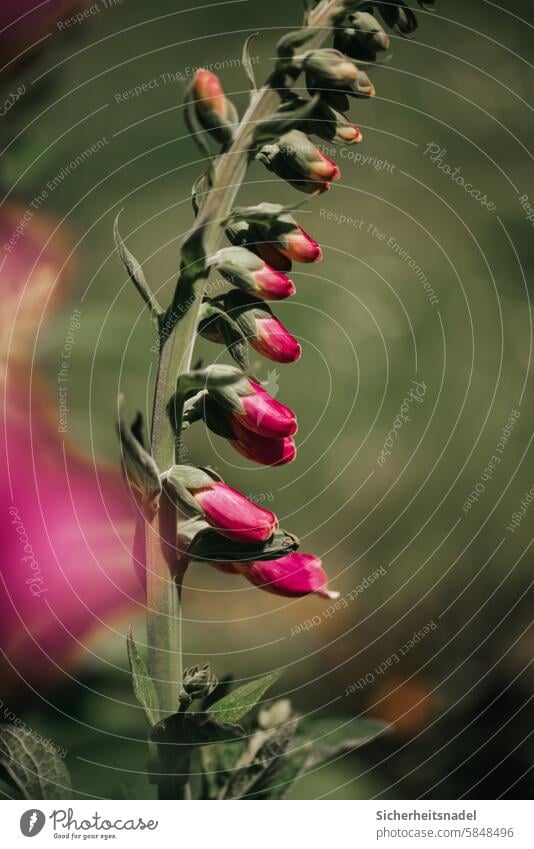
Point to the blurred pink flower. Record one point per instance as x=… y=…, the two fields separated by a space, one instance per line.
x=66 y=521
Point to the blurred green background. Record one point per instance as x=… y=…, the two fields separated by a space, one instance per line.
x=459 y=699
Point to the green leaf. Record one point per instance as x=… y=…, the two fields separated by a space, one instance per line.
x=193 y=266
x=136 y=275
x=212 y=546
x=33 y=765
x=247 y=64
x=140 y=467
x=143 y=685
x=294 y=41
x=189 y=476
x=218 y=763
x=236 y=704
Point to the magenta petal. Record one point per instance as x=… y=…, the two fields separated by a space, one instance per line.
x=299 y=246
x=66 y=522
x=273 y=341
x=294 y=575
x=261 y=449
x=265 y=415
x=233 y=515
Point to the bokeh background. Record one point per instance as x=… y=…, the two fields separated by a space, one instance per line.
x=458 y=698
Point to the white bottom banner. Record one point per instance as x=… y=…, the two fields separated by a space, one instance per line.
x=256 y=824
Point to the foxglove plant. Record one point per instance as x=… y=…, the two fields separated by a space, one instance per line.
x=189 y=513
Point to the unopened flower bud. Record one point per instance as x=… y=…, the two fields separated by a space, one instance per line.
x=296 y=159
x=251 y=273
x=252 y=407
x=329 y=68
x=198 y=682
x=363 y=39
x=214 y=111
x=264 y=331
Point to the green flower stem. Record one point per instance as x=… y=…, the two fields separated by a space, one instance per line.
x=163 y=601
x=177 y=343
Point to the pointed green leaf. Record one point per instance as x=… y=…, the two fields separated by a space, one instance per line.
x=236 y=704
x=143 y=685
x=140 y=467
x=33 y=765
x=212 y=546
x=136 y=275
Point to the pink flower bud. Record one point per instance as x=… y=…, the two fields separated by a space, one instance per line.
x=264 y=415
x=293 y=576
x=299 y=246
x=272 y=285
x=273 y=341
x=209 y=93
x=260 y=449
x=272 y=255
x=233 y=515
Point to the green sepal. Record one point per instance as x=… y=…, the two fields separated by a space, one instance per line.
x=234 y=339
x=197 y=134
x=181 y=479
x=292 y=42
x=211 y=377
x=208 y=545
x=143 y=686
x=190 y=729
